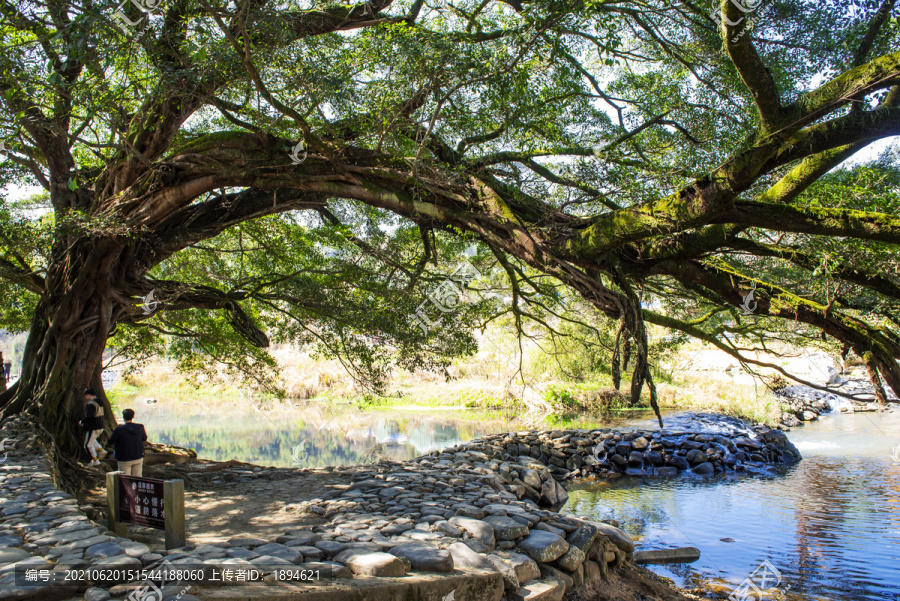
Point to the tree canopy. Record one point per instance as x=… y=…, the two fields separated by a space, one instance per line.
x=312 y=168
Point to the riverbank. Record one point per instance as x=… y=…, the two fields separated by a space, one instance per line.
x=488 y=507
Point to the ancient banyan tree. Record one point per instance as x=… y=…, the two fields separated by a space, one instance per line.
x=227 y=174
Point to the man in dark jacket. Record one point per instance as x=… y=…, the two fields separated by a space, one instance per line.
x=128 y=442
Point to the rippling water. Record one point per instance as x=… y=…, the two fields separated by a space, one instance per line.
x=830 y=525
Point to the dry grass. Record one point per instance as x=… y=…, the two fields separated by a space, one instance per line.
x=490 y=379
x=721 y=393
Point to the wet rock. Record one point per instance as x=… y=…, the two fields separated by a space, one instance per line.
x=704 y=469
x=640 y=443
x=696 y=456
x=678 y=462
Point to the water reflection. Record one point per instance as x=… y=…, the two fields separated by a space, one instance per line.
x=313 y=435
x=829 y=524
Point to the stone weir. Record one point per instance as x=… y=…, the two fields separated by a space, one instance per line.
x=471 y=523
x=714 y=446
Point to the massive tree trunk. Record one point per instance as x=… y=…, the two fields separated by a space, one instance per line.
x=68 y=334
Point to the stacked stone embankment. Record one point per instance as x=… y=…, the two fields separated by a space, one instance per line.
x=475 y=522
x=581 y=453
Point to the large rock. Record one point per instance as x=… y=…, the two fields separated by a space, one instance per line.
x=543 y=546
x=532 y=478
x=678 y=462
x=371 y=563
x=553 y=494
x=510 y=579
x=481 y=530
x=506 y=528
x=425 y=558
x=696 y=456
x=571 y=559
x=526 y=568
x=465 y=557
x=583 y=538
x=704 y=469
x=619 y=537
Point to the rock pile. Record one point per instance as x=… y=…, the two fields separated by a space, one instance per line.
x=569 y=454
x=486 y=505
x=803 y=404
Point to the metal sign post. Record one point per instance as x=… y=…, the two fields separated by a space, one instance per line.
x=147 y=502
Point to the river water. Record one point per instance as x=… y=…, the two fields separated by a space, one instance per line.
x=829 y=527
